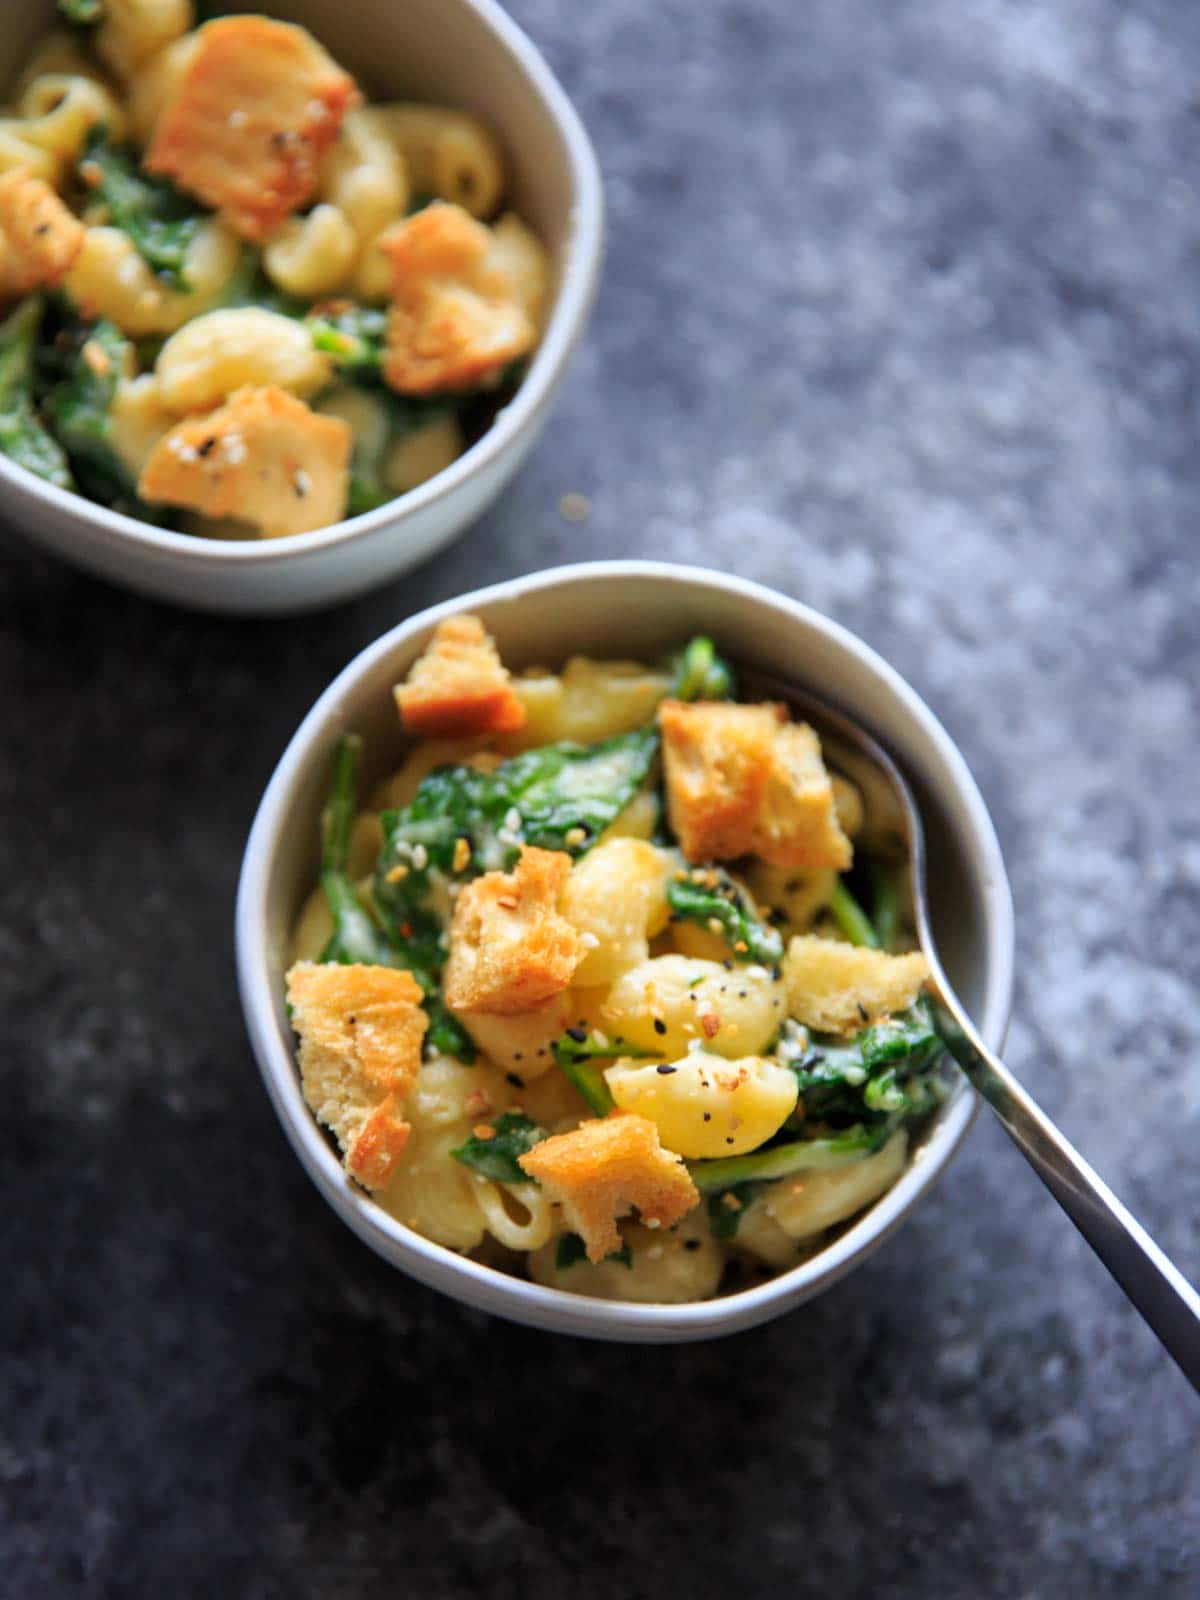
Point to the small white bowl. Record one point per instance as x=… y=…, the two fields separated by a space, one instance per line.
x=632 y=609
x=464 y=53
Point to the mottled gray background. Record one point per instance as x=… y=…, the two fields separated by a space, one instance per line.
x=901 y=315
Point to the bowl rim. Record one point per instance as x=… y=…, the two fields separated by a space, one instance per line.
x=486 y=1287
x=582 y=259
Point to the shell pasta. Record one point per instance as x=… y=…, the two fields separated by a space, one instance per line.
x=345 y=274
x=649 y=1070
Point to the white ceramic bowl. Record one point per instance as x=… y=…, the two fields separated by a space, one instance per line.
x=465 y=53
x=632 y=609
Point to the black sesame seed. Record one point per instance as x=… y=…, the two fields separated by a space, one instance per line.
x=659 y=1025
x=727 y=964
x=517 y=1083
x=777 y=973
x=862 y=1011
x=665 y=1071
x=708 y=1116
x=578 y=1034
x=691 y=1244
x=729 y=1138
x=516 y=1055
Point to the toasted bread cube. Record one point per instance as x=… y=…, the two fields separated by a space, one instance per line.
x=840 y=988
x=258 y=104
x=39 y=237
x=459 y=686
x=264 y=457
x=742 y=780
x=510 y=946
x=602 y=1170
x=360 y=1030
x=797 y=823
x=457 y=317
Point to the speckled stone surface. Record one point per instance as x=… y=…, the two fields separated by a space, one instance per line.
x=902 y=315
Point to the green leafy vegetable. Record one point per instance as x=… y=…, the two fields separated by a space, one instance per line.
x=159 y=220
x=576 y=1053
x=559 y=797
x=725 y=1208
x=710 y=897
x=82 y=13
x=701 y=674
x=513 y=1135
x=356 y=936
x=886 y=911
x=781 y=1160
x=571 y=1250
x=78 y=373
x=884 y=1070
x=23 y=436
x=353 y=337
x=851 y=918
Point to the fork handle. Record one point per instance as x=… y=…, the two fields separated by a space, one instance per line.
x=1157 y=1288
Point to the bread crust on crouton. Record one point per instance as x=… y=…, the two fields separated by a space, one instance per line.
x=39 y=236
x=510 y=946
x=840 y=988
x=459 y=686
x=602 y=1170
x=456 y=318
x=742 y=780
x=263 y=457
x=257 y=106
x=360 y=1030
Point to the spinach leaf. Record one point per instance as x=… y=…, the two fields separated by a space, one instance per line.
x=355 y=937
x=82 y=13
x=159 y=220
x=354 y=338
x=710 y=897
x=567 y=794
x=576 y=1052
x=78 y=374
x=701 y=674
x=463 y=822
x=725 y=1207
x=414 y=947
x=781 y=1160
x=23 y=436
x=885 y=1070
x=513 y=1135
x=571 y=1249
x=850 y=917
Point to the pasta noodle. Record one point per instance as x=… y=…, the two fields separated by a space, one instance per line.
x=447 y=154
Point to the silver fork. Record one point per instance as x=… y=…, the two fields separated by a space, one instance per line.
x=1159 y=1291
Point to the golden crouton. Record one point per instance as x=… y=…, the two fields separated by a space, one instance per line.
x=840 y=988
x=264 y=457
x=510 y=947
x=742 y=780
x=258 y=104
x=39 y=237
x=360 y=1032
x=456 y=316
x=459 y=686
x=602 y=1170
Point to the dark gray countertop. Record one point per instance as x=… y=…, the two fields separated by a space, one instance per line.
x=901 y=315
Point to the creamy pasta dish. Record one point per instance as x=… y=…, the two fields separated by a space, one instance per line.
x=238 y=300
x=593 y=987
